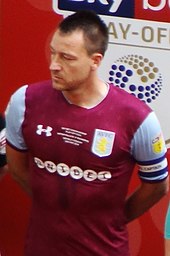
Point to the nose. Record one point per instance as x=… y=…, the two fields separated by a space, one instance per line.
x=54 y=65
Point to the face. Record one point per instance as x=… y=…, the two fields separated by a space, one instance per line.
x=71 y=66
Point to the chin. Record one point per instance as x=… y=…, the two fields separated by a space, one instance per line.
x=57 y=86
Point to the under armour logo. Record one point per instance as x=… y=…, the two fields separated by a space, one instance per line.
x=41 y=130
x=114 y=5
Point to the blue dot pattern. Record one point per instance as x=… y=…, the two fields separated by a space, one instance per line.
x=150 y=80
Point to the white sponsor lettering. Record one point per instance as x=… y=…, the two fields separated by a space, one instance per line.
x=74 y=171
x=158 y=7
x=39 y=163
x=73 y=136
x=50 y=166
x=104 y=175
x=155 y=167
x=63 y=169
x=90 y=175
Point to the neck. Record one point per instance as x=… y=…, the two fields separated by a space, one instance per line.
x=89 y=96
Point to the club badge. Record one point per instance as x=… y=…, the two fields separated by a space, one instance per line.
x=103 y=142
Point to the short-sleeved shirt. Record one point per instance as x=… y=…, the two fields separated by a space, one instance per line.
x=81 y=163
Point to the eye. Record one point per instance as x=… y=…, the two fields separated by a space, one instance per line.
x=68 y=57
x=52 y=52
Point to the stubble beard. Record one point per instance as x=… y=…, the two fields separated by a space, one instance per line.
x=69 y=86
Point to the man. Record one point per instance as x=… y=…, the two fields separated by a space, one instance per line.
x=3 y=164
x=73 y=143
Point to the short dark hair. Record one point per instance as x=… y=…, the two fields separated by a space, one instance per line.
x=93 y=27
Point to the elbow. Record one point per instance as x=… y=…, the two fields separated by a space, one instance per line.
x=165 y=188
x=15 y=176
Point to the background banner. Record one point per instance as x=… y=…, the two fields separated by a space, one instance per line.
x=137 y=61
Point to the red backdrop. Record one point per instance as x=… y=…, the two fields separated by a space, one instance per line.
x=26 y=27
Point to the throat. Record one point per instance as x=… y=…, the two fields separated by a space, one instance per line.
x=88 y=99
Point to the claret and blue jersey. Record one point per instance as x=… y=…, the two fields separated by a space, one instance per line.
x=82 y=161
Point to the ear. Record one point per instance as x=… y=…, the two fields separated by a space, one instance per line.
x=96 y=60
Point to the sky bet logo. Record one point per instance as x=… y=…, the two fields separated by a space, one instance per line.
x=145 y=10
x=113 y=6
x=123 y=8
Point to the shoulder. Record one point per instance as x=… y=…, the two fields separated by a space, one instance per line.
x=127 y=98
x=128 y=104
x=19 y=93
x=39 y=90
x=17 y=99
x=43 y=85
x=30 y=90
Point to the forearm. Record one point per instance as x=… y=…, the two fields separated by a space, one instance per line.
x=23 y=181
x=144 y=198
x=167 y=247
x=3 y=171
x=18 y=167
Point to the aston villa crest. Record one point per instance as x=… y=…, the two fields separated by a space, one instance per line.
x=103 y=142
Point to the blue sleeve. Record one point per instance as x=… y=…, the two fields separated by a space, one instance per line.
x=149 y=150
x=167 y=225
x=14 y=116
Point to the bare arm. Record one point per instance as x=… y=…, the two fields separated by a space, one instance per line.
x=18 y=166
x=144 y=198
x=167 y=247
x=3 y=171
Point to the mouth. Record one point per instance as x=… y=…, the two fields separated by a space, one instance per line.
x=56 y=78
